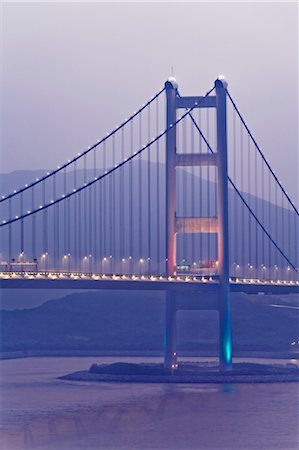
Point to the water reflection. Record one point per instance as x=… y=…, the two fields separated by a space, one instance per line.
x=40 y=412
x=229 y=388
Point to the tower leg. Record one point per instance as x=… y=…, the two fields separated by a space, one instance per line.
x=225 y=341
x=170 y=356
x=171 y=93
x=225 y=332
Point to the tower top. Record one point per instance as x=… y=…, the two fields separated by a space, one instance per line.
x=221 y=81
x=171 y=83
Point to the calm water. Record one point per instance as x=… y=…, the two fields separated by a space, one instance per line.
x=40 y=412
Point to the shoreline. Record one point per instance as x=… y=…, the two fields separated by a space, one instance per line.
x=155 y=354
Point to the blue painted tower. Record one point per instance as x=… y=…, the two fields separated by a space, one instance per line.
x=175 y=225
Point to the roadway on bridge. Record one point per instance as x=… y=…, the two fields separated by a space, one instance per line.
x=65 y=280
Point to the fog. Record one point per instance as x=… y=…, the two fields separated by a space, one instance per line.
x=72 y=71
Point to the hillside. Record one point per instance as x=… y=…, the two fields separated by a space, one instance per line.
x=133 y=321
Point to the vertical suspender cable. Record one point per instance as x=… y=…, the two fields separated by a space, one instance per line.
x=276 y=230
x=55 y=223
x=235 y=203
x=65 y=212
x=85 y=231
x=296 y=249
x=103 y=218
x=242 y=208
x=9 y=232
x=75 y=232
x=149 y=191
x=114 y=206
x=57 y=206
x=90 y=255
x=184 y=197
x=215 y=188
x=282 y=234
x=131 y=252
x=140 y=193
x=111 y=217
x=289 y=237
x=200 y=189
x=192 y=196
x=33 y=230
x=22 y=223
x=68 y=227
x=269 y=223
x=263 y=218
x=249 y=198
x=57 y=261
x=45 y=231
x=256 y=212
x=95 y=210
x=208 y=189
x=122 y=222
x=81 y=256
x=158 y=190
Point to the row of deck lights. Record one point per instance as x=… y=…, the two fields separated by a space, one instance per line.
x=77 y=275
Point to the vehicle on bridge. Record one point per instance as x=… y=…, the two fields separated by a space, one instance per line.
x=203 y=268
x=19 y=266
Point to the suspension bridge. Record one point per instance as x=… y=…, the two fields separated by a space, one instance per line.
x=179 y=198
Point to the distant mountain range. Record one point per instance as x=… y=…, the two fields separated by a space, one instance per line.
x=122 y=321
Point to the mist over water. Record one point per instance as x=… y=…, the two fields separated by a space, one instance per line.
x=39 y=412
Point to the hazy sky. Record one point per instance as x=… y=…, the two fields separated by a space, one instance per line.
x=73 y=71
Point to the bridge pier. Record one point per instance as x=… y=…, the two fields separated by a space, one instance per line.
x=170 y=354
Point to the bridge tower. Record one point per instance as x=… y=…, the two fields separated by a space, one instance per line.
x=217 y=225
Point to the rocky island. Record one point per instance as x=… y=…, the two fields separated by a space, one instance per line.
x=187 y=372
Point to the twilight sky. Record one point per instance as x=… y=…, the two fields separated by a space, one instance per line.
x=73 y=71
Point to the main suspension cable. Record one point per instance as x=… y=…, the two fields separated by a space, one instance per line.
x=261 y=153
x=85 y=152
x=111 y=171
x=243 y=200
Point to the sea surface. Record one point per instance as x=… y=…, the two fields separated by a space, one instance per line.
x=39 y=411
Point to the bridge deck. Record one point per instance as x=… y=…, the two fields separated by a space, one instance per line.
x=51 y=280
